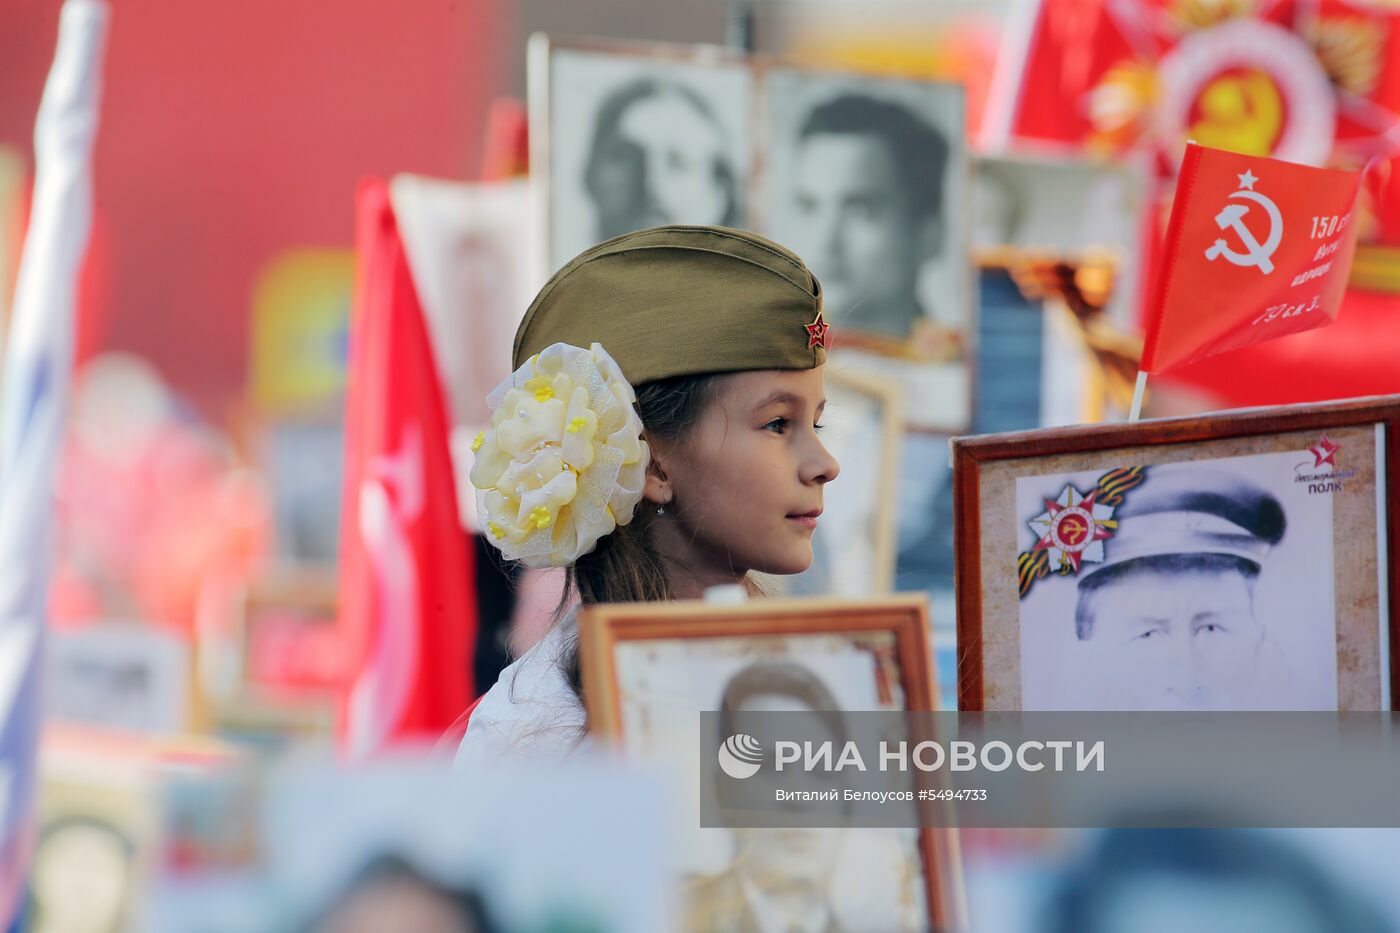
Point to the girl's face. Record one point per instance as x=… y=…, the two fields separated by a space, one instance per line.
x=743 y=490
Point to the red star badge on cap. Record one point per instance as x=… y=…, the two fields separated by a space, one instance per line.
x=817 y=332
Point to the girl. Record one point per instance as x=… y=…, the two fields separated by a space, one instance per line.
x=658 y=437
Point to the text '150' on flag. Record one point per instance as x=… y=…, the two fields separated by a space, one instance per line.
x=1256 y=249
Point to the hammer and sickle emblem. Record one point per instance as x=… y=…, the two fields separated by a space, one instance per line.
x=1255 y=253
x=1073 y=530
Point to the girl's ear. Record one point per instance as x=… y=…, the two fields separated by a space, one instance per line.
x=657 y=488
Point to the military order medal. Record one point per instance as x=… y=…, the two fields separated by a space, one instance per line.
x=1073 y=529
x=1074 y=526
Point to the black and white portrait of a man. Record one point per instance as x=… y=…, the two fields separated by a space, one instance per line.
x=821 y=878
x=869 y=195
x=1208 y=587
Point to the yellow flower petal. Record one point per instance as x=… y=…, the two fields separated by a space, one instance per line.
x=546 y=437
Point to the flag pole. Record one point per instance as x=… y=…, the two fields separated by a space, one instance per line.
x=35 y=373
x=1138 y=392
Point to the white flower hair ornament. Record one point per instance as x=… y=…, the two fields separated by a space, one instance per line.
x=563 y=462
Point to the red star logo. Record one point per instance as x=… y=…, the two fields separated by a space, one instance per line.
x=1325 y=452
x=817 y=332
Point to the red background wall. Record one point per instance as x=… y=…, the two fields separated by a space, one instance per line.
x=233 y=131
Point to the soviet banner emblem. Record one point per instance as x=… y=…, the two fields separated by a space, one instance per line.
x=1254 y=250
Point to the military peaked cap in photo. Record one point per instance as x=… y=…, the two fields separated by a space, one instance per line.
x=1186 y=508
x=682 y=301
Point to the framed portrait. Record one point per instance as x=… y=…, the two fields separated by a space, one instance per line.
x=273 y=668
x=328 y=832
x=854 y=546
x=302 y=457
x=474 y=254
x=1236 y=561
x=99 y=823
x=648 y=669
x=626 y=137
x=95 y=820
x=132 y=676
x=206 y=870
x=1330 y=879
x=1065 y=209
x=865 y=178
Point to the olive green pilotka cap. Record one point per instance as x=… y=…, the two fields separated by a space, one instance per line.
x=680 y=301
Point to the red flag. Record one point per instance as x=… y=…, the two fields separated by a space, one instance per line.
x=1256 y=248
x=1310 y=81
x=1352 y=359
x=406 y=581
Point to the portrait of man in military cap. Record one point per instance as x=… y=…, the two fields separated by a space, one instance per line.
x=637 y=142
x=1186 y=586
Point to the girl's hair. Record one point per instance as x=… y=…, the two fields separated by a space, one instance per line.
x=625 y=567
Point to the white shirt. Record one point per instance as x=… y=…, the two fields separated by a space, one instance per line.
x=532 y=710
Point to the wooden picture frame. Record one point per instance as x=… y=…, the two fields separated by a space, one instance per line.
x=933 y=353
x=608 y=631
x=995 y=475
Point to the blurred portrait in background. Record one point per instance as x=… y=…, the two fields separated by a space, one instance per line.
x=1206 y=881
x=391 y=893
x=640 y=142
x=83 y=878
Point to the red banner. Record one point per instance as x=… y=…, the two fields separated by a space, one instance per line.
x=1315 y=82
x=1256 y=249
x=406 y=577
